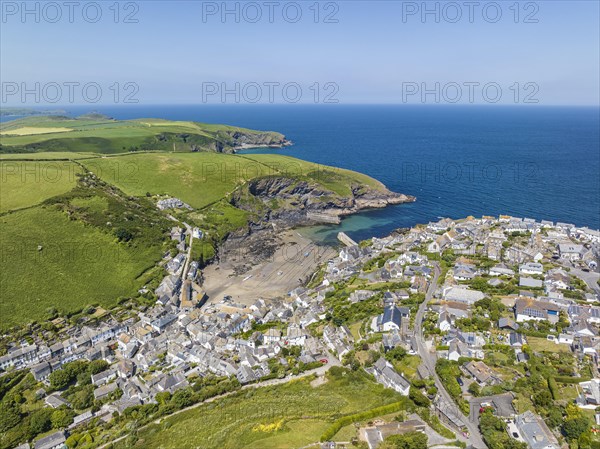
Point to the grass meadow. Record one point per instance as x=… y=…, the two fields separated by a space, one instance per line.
x=76 y=265
x=200 y=179
x=290 y=415
x=107 y=136
x=27 y=183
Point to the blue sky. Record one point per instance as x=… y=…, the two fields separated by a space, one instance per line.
x=172 y=52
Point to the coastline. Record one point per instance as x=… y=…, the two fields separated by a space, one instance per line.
x=244 y=274
x=275 y=257
x=249 y=146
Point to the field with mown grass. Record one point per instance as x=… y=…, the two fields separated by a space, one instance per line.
x=539 y=344
x=27 y=183
x=290 y=415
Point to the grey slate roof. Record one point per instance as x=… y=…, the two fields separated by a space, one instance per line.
x=392 y=314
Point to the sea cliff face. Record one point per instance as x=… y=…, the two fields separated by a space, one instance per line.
x=289 y=202
x=278 y=203
x=233 y=141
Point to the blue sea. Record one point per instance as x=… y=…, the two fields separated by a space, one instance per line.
x=538 y=162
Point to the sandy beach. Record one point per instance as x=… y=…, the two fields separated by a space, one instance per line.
x=293 y=262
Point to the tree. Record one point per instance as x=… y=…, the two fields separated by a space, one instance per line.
x=163 y=397
x=397 y=353
x=84 y=378
x=97 y=366
x=10 y=415
x=84 y=398
x=60 y=379
x=543 y=399
x=409 y=440
x=418 y=398
x=555 y=417
x=182 y=398
x=61 y=418
x=574 y=427
x=474 y=389
x=40 y=422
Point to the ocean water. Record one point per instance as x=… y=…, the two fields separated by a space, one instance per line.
x=538 y=162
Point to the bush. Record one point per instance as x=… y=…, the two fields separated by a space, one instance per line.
x=10 y=415
x=553 y=387
x=418 y=398
x=573 y=428
x=60 y=379
x=123 y=235
x=474 y=389
x=61 y=418
x=346 y=420
x=40 y=421
x=409 y=440
x=570 y=380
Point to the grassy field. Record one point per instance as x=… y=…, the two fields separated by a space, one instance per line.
x=408 y=366
x=196 y=178
x=77 y=265
x=99 y=134
x=539 y=344
x=27 y=183
x=336 y=179
x=53 y=204
x=45 y=155
x=200 y=179
x=300 y=412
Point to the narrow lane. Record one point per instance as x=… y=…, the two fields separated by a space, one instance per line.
x=447 y=402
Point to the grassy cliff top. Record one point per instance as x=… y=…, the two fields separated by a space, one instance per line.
x=65 y=204
x=100 y=134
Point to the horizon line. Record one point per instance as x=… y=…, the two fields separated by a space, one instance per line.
x=92 y=105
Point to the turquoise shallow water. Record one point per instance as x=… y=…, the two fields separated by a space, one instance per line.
x=539 y=162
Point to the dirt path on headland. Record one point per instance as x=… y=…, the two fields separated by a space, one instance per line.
x=292 y=262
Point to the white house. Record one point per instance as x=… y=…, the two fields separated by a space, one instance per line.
x=531 y=268
x=570 y=251
x=565 y=339
x=385 y=374
x=463 y=295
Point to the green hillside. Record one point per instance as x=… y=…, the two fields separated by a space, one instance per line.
x=200 y=179
x=263 y=420
x=26 y=183
x=50 y=261
x=83 y=228
x=98 y=134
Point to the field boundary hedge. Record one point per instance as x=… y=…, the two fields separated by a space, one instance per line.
x=344 y=421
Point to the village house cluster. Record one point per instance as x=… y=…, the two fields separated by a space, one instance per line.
x=552 y=267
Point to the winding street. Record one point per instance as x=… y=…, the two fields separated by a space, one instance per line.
x=446 y=400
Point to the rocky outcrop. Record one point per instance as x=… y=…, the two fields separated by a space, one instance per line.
x=240 y=140
x=278 y=202
x=289 y=202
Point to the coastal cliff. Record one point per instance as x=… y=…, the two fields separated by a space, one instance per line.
x=278 y=203
x=290 y=202
x=231 y=141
